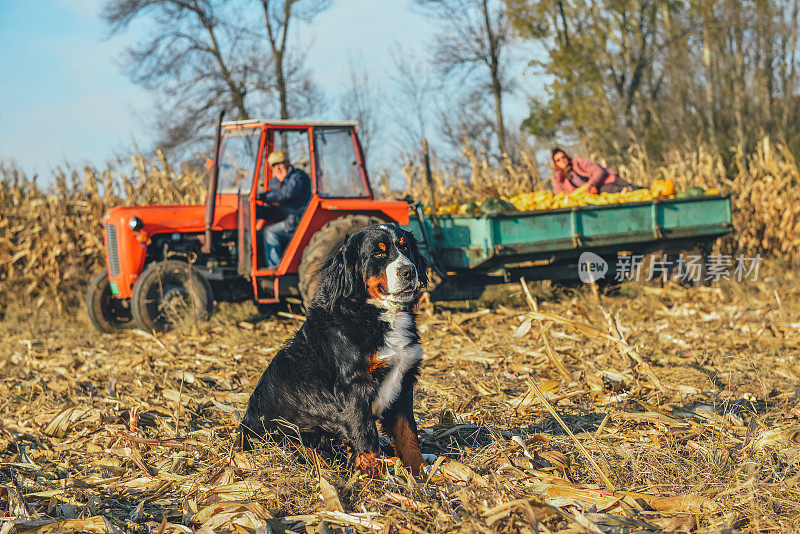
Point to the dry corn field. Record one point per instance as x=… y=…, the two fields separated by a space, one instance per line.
x=646 y=409
x=641 y=408
x=51 y=238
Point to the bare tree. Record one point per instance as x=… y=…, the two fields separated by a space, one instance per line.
x=413 y=98
x=360 y=102
x=664 y=73
x=278 y=15
x=204 y=55
x=474 y=121
x=475 y=38
x=788 y=67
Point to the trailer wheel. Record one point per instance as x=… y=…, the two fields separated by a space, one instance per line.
x=170 y=293
x=108 y=314
x=326 y=240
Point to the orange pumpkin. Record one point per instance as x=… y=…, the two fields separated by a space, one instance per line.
x=663 y=188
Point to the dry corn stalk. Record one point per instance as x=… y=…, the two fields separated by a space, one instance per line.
x=51 y=239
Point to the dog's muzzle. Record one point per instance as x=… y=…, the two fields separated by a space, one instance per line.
x=402 y=279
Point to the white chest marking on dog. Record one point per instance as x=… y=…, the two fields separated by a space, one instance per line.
x=400 y=352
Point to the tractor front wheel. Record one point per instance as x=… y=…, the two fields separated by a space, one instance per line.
x=108 y=314
x=326 y=240
x=170 y=293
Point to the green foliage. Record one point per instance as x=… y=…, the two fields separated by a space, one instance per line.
x=543 y=120
x=528 y=18
x=662 y=73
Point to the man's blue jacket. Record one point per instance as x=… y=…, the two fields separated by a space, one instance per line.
x=292 y=195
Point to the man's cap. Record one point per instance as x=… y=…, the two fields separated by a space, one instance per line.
x=279 y=156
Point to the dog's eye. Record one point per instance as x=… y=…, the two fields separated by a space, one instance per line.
x=379 y=253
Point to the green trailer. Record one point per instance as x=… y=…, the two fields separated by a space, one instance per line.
x=547 y=244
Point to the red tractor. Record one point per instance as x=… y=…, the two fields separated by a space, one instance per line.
x=167 y=263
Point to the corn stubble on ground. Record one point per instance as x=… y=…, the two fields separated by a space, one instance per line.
x=130 y=432
x=681 y=402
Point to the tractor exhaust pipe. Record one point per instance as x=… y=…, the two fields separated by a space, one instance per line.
x=211 y=196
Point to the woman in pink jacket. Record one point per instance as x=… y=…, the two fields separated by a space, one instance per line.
x=572 y=173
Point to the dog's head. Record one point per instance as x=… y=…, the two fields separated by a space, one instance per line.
x=380 y=265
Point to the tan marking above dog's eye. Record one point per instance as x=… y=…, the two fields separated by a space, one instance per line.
x=382 y=246
x=402 y=241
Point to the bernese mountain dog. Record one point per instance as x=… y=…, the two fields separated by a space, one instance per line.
x=356 y=358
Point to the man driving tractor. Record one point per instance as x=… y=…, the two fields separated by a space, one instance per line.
x=290 y=192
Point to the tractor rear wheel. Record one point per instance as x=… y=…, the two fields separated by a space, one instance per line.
x=108 y=314
x=170 y=293
x=326 y=240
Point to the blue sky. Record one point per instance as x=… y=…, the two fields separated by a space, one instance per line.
x=64 y=98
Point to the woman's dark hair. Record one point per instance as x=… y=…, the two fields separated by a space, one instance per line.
x=556 y=150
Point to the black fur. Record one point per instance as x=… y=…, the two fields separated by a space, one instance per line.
x=321 y=381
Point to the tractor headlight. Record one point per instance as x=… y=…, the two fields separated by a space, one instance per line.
x=135 y=224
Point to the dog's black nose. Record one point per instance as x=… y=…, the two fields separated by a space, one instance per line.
x=406 y=272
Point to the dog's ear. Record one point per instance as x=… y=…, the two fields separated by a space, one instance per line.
x=338 y=280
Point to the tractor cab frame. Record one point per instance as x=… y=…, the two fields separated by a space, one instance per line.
x=160 y=258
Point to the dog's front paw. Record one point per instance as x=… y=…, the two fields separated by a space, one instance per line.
x=368 y=464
